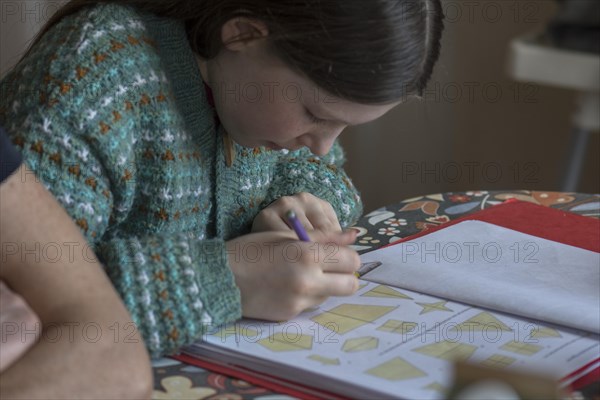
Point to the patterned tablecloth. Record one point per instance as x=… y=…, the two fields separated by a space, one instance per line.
x=176 y=380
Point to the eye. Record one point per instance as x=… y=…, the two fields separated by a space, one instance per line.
x=314 y=119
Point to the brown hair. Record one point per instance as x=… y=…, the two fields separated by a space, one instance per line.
x=366 y=51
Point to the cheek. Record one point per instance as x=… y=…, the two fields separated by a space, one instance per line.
x=283 y=126
x=267 y=121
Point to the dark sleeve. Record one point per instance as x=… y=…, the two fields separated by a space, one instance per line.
x=10 y=158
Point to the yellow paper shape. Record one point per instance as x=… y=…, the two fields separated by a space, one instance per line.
x=446 y=350
x=498 y=361
x=360 y=344
x=521 y=348
x=429 y=307
x=395 y=326
x=324 y=360
x=480 y=322
x=396 y=369
x=436 y=386
x=346 y=317
x=180 y=387
x=281 y=342
x=544 y=332
x=385 y=291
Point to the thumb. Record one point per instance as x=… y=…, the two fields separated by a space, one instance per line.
x=343 y=238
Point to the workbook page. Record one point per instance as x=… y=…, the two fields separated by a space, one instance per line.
x=384 y=341
x=486 y=265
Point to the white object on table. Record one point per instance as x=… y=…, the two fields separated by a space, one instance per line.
x=534 y=59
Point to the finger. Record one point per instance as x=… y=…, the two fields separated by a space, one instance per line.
x=331 y=215
x=323 y=223
x=335 y=224
x=338 y=284
x=313 y=303
x=314 y=210
x=279 y=224
x=343 y=238
x=270 y=221
x=339 y=259
x=323 y=217
x=306 y=223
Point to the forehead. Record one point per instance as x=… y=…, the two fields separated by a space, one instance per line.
x=297 y=87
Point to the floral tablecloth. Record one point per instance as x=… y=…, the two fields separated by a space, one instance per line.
x=176 y=380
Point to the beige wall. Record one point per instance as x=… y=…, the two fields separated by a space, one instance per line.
x=525 y=138
x=19 y=21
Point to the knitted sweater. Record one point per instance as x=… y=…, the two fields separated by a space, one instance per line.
x=110 y=112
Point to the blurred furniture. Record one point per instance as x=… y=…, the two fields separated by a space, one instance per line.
x=567 y=55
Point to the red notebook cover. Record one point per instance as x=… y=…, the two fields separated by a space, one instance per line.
x=548 y=223
x=545 y=222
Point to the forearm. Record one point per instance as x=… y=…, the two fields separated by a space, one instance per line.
x=84 y=359
x=69 y=292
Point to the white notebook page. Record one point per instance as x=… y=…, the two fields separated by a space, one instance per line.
x=486 y=265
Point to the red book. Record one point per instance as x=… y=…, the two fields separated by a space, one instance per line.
x=386 y=335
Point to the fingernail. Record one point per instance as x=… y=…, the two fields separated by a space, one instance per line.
x=350 y=232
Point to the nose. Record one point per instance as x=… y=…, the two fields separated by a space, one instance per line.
x=320 y=143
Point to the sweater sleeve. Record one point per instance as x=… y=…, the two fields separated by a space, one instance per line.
x=75 y=132
x=175 y=287
x=324 y=177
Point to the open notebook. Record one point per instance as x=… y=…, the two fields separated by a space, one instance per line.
x=506 y=299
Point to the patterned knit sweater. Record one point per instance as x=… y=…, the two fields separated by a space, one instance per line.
x=110 y=112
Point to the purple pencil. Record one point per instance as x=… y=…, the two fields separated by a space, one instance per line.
x=297 y=226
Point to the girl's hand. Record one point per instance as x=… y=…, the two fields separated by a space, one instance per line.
x=16 y=315
x=279 y=276
x=314 y=214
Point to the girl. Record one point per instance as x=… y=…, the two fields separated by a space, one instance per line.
x=178 y=133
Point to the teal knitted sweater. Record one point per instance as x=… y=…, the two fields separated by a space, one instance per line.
x=110 y=112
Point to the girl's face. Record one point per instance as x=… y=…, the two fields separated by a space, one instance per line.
x=262 y=102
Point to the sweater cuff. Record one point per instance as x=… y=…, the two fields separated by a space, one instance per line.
x=220 y=294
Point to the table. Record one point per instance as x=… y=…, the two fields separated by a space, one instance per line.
x=176 y=380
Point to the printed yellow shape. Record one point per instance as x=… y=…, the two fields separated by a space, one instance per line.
x=436 y=386
x=544 y=332
x=385 y=291
x=482 y=322
x=180 y=388
x=324 y=360
x=282 y=341
x=360 y=344
x=429 y=307
x=395 y=326
x=396 y=369
x=498 y=361
x=346 y=317
x=521 y=348
x=447 y=350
